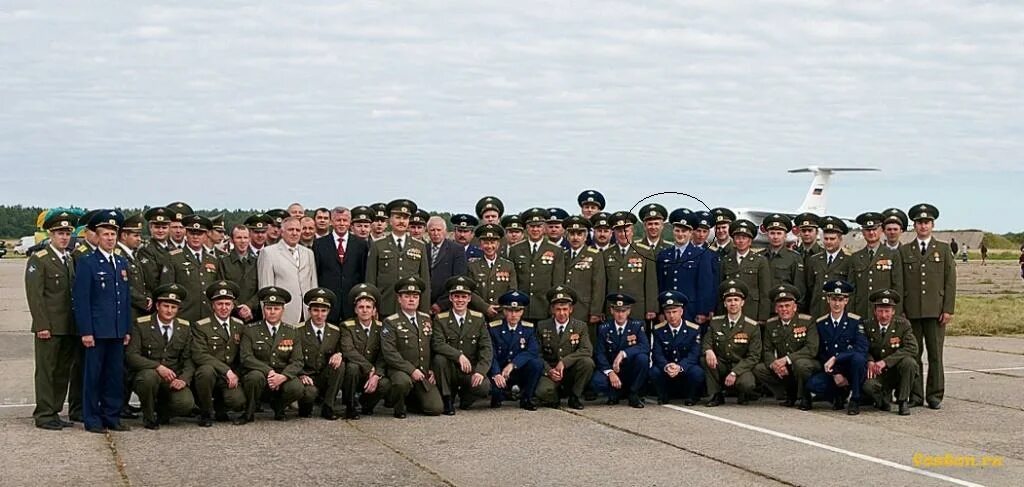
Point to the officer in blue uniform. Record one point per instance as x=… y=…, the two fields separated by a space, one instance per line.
x=675 y=349
x=591 y=202
x=463 y=229
x=101 y=299
x=688 y=269
x=842 y=352
x=622 y=353
x=516 y=359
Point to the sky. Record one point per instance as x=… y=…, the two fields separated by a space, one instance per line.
x=258 y=104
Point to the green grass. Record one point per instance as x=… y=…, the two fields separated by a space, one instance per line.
x=975 y=255
x=988 y=316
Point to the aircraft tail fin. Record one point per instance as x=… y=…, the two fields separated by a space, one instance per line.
x=816 y=200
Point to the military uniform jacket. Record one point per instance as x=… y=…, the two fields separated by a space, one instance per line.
x=282 y=353
x=100 y=296
x=48 y=289
x=81 y=250
x=242 y=271
x=386 y=264
x=315 y=353
x=491 y=282
x=148 y=350
x=869 y=275
x=138 y=283
x=634 y=275
x=843 y=340
x=651 y=251
x=896 y=344
x=585 y=274
x=723 y=250
x=808 y=252
x=362 y=349
x=797 y=340
x=787 y=267
x=407 y=347
x=683 y=349
x=818 y=273
x=516 y=347
x=538 y=273
x=152 y=257
x=632 y=341
x=573 y=345
x=935 y=292
x=214 y=346
x=756 y=273
x=183 y=269
x=738 y=345
x=693 y=275
x=472 y=340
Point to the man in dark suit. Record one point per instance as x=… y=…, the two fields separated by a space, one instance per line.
x=340 y=262
x=446 y=259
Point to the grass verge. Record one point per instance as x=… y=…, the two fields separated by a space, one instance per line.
x=988 y=316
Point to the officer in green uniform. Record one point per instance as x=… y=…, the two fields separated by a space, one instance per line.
x=874 y=267
x=566 y=351
x=418 y=224
x=323 y=368
x=365 y=370
x=405 y=344
x=462 y=348
x=585 y=274
x=129 y=240
x=277 y=216
x=787 y=266
x=831 y=264
x=379 y=225
x=628 y=271
x=48 y=277
x=601 y=223
x=892 y=353
x=929 y=301
x=894 y=223
x=179 y=210
x=514 y=228
x=216 y=245
x=239 y=267
x=159 y=358
x=790 y=348
x=397 y=257
x=723 y=218
x=653 y=215
x=192 y=268
x=493 y=274
x=732 y=348
x=539 y=264
x=743 y=264
x=271 y=353
x=88 y=241
x=215 y=347
x=362 y=218
x=490 y=209
x=809 y=224
x=152 y=256
x=258 y=225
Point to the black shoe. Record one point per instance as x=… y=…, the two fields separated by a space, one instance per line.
x=883 y=405
x=53 y=425
x=351 y=412
x=328 y=413
x=904 y=408
x=221 y=416
x=612 y=401
x=805 y=404
x=916 y=403
x=687 y=402
x=716 y=400
x=243 y=419
x=662 y=401
x=934 y=405
x=399 y=414
x=449 y=407
x=575 y=403
x=101 y=430
x=853 y=408
x=635 y=401
x=788 y=403
x=66 y=424
x=465 y=404
x=495 y=403
x=838 y=404
x=127 y=414
x=134 y=409
x=528 y=405
x=742 y=399
x=164 y=419
x=150 y=424
x=204 y=421
x=279 y=415
x=367 y=411
x=305 y=411
x=120 y=427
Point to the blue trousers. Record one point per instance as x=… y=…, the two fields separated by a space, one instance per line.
x=103 y=383
x=688 y=384
x=526 y=377
x=854 y=367
x=632 y=373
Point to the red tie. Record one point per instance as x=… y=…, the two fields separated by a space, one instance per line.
x=341 y=251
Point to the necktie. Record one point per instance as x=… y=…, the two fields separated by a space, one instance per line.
x=341 y=251
x=366 y=330
x=835 y=324
x=167 y=332
x=490 y=264
x=459 y=320
x=434 y=250
x=64 y=260
x=574 y=253
x=679 y=254
x=739 y=259
x=882 y=329
x=618 y=329
x=534 y=251
x=674 y=331
x=830 y=259
x=871 y=254
x=924 y=248
x=273 y=332
x=320 y=336
x=227 y=328
x=400 y=244
x=412 y=320
x=560 y=330
x=623 y=250
x=199 y=257
x=731 y=323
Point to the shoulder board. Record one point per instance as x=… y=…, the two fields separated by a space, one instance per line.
x=521 y=242
x=118 y=251
x=443 y=315
x=495 y=323
x=145 y=319
x=82 y=247
x=773 y=319
x=422 y=315
x=693 y=325
x=592 y=250
x=757 y=251
x=660 y=325
x=174 y=252
x=641 y=246
x=333 y=327
x=476 y=314
x=750 y=321
x=526 y=324
x=349 y=323
x=41 y=253
x=203 y=321
x=392 y=317
x=183 y=322
x=803 y=316
x=844 y=251
x=718 y=317
x=822 y=317
x=853 y=315
x=250 y=325
x=295 y=326
x=237 y=321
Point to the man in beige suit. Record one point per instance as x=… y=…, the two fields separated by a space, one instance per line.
x=290 y=266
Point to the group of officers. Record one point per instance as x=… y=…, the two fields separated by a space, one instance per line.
x=550 y=306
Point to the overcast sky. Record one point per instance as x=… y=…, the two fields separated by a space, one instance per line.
x=245 y=104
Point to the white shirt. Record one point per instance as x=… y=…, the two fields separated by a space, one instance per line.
x=559 y=327
x=490 y=263
x=620 y=327
x=109 y=256
x=743 y=255
x=126 y=250
x=64 y=256
x=831 y=255
x=411 y=318
x=170 y=328
x=925 y=242
x=459 y=319
x=340 y=241
x=270 y=328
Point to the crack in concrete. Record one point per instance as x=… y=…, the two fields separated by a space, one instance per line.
x=404 y=456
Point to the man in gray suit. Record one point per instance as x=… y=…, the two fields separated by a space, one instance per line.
x=289 y=266
x=446 y=259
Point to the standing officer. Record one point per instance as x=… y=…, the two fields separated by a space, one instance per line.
x=566 y=351
x=809 y=224
x=743 y=264
x=258 y=225
x=462 y=348
x=688 y=269
x=216 y=245
x=217 y=381
x=362 y=218
x=153 y=255
x=88 y=241
x=365 y=371
x=842 y=352
x=322 y=368
x=464 y=225
x=239 y=267
x=271 y=354
x=101 y=295
x=493 y=274
x=628 y=271
x=732 y=347
x=892 y=353
x=894 y=223
x=929 y=301
x=675 y=368
x=405 y=343
x=192 y=268
x=787 y=266
x=159 y=357
x=653 y=215
x=790 y=348
x=540 y=264
x=554 y=228
x=591 y=201
x=379 y=225
x=875 y=266
x=277 y=217
x=490 y=209
x=418 y=224
x=585 y=274
x=622 y=353
x=513 y=226
x=396 y=257
x=723 y=218
x=831 y=264
x=601 y=223
x=48 y=278
x=517 y=360
x=702 y=222
x=129 y=240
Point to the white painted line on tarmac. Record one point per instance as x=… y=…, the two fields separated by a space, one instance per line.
x=983 y=370
x=861 y=456
x=17 y=405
